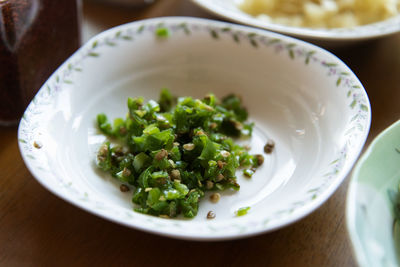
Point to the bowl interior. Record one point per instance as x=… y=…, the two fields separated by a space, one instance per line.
x=300 y=96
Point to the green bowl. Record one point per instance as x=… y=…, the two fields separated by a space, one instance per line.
x=370 y=214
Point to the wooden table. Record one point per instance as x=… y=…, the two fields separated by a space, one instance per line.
x=37 y=228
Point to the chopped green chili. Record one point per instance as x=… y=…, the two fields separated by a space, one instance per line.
x=248 y=172
x=175 y=150
x=162 y=32
x=242 y=211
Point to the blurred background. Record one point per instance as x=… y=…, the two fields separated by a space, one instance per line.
x=38 y=229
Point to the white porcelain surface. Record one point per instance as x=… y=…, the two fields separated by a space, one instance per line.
x=299 y=95
x=229 y=9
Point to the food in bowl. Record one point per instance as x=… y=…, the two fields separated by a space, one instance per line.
x=322 y=13
x=394 y=196
x=173 y=152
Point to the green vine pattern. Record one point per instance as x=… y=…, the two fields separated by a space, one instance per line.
x=30 y=125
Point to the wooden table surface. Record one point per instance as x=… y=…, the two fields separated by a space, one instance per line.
x=39 y=229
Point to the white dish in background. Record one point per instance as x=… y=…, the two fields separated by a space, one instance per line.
x=229 y=10
x=304 y=98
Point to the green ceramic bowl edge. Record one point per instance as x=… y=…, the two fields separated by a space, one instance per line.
x=382 y=159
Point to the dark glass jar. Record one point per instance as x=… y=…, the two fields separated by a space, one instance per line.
x=36 y=36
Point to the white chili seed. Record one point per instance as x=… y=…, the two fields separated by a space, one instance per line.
x=124 y=188
x=225 y=153
x=215 y=197
x=220 y=177
x=37 y=144
x=188 y=146
x=211 y=215
x=209 y=184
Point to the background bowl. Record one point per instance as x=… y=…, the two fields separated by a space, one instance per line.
x=304 y=98
x=370 y=216
x=229 y=10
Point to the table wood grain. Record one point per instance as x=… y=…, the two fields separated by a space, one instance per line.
x=39 y=229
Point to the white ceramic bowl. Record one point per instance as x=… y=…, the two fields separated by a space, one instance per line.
x=229 y=9
x=370 y=211
x=301 y=96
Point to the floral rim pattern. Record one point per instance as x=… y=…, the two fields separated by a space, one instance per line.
x=30 y=124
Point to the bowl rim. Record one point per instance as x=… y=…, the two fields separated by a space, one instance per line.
x=357 y=248
x=363 y=32
x=209 y=236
